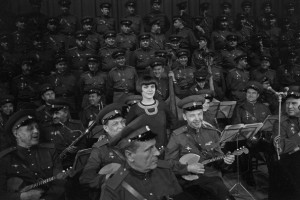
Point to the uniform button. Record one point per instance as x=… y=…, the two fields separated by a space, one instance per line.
x=48 y=167
x=18 y=172
x=151 y=194
x=32 y=164
x=35 y=174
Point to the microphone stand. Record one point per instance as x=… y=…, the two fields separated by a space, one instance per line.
x=279 y=121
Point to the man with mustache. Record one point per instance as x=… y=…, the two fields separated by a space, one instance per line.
x=200 y=138
x=113 y=122
x=27 y=161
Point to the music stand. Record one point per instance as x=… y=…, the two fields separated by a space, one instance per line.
x=235 y=133
x=269 y=123
x=226 y=109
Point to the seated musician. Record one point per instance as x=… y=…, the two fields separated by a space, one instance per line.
x=285 y=179
x=113 y=122
x=199 y=138
x=143 y=175
x=27 y=161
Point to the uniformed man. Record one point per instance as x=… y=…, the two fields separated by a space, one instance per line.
x=104 y=22
x=172 y=46
x=183 y=13
x=183 y=75
x=198 y=137
x=121 y=79
x=137 y=22
x=112 y=119
x=247 y=12
x=201 y=82
x=64 y=82
x=226 y=11
x=27 y=161
x=25 y=86
x=188 y=39
x=95 y=105
x=141 y=175
x=204 y=23
x=105 y=53
x=93 y=40
x=237 y=79
x=78 y=55
x=63 y=130
x=43 y=112
x=141 y=58
x=162 y=87
x=289 y=73
x=230 y=52
x=199 y=55
x=156 y=13
x=157 y=39
x=21 y=39
x=284 y=177
x=218 y=37
x=36 y=19
x=94 y=77
x=292 y=15
x=7 y=108
x=265 y=71
x=42 y=57
x=68 y=22
x=126 y=39
x=54 y=39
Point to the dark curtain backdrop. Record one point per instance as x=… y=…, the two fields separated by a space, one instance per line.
x=83 y=8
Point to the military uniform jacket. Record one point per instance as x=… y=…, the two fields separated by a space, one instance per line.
x=163 y=19
x=236 y=81
x=104 y=24
x=219 y=38
x=162 y=90
x=127 y=41
x=30 y=165
x=248 y=113
x=93 y=41
x=203 y=142
x=189 y=40
x=25 y=87
x=289 y=133
x=89 y=78
x=157 y=41
x=43 y=113
x=90 y=113
x=105 y=53
x=55 y=41
x=141 y=58
x=137 y=23
x=185 y=79
x=68 y=23
x=101 y=155
x=78 y=57
x=258 y=74
x=64 y=84
x=156 y=184
x=228 y=57
x=288 y=75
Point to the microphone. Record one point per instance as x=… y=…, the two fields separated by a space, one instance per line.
x=278 y=93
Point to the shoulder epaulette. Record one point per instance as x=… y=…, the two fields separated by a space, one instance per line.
x=117 y=178
x=163 y=164
x=40 y=108
x=180 y=130
x=7 y=151
x=47 y=145
x=72 y=48
x=114 y=68
x=101 y=143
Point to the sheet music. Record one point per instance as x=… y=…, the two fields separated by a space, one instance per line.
x=226 y=109
x=269 y=122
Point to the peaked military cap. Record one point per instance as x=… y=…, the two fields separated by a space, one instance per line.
x=118 y=53
x=109 y=34
x=177 y=17
x=182 y=5
x=19 y=119
x=110 y=112
x=246 y=4
x=157 y=62
x=265 y=57
x=65 y=3
x=254 y=85
x=292 y=54
x=60 y=59
x=131 y=3
x=105 y=5
x=155 y=1
x=182 y=52
x=222 y=18
x=200 y=75
x=27 y=60
x=154 y=21
x=132 y=99
x=81 y=35
x=137 y=130
x=93 y=90
x=58 y=104
x=53 y=21
x=87 y=20
x=174 y=38
x=93 y=58
x=126 y=22
x=46 y=87
x=232 y=38
x=191 y=103
x=241 y=57
x=7 y=99
x=226 y=5
x=144 y=36
x=293 y=92
x=161 y=54
x=206 y=93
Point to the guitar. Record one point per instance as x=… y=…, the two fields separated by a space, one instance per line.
x=14 y=183
x=191 y=158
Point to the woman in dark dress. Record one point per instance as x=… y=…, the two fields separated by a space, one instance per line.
x=159 y=117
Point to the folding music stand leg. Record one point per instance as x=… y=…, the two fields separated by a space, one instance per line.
x=239 y=184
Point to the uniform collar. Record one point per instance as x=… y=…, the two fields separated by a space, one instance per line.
x=192 y=130
x=138 y=174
